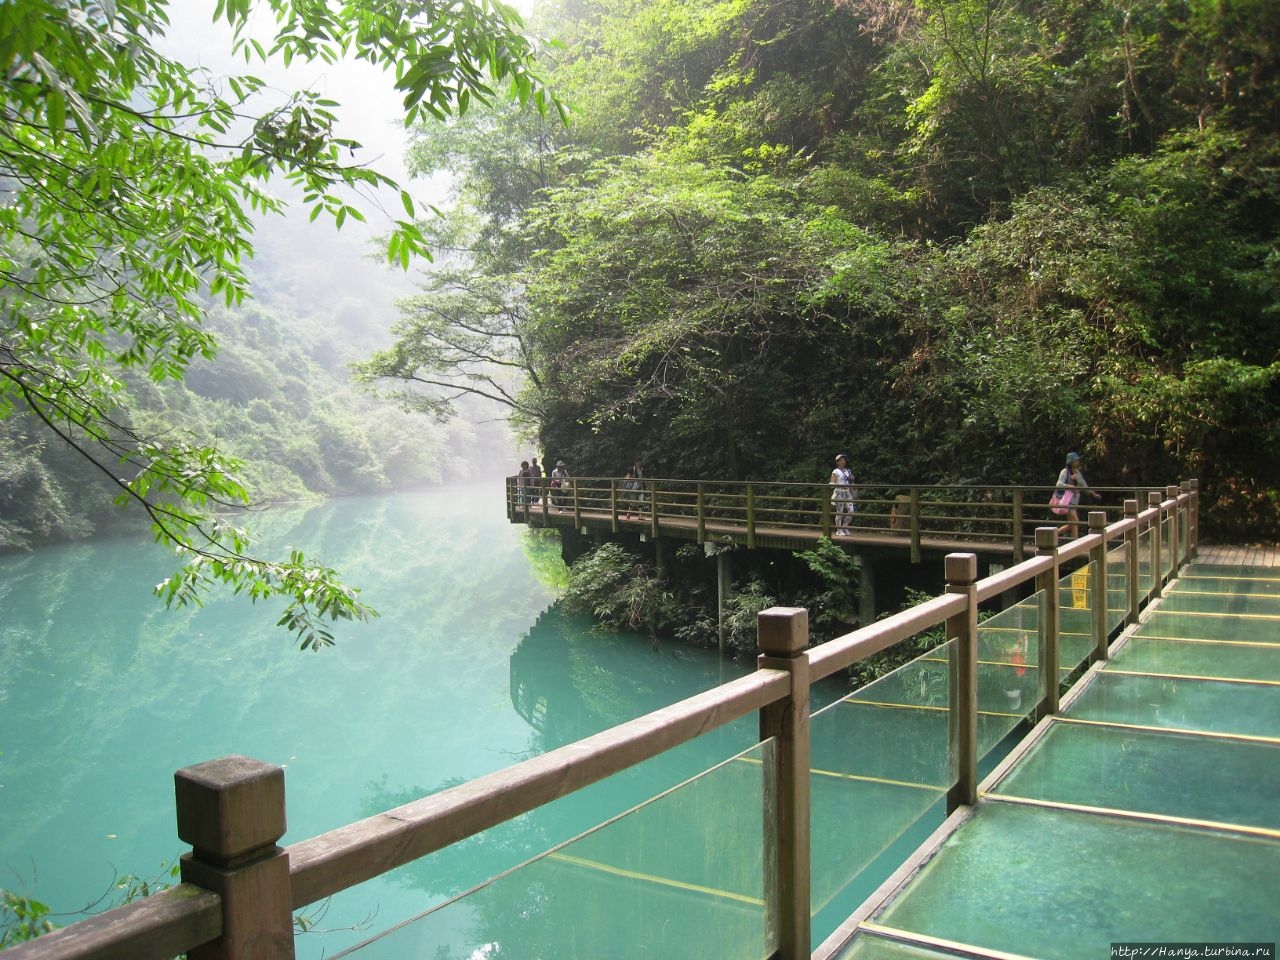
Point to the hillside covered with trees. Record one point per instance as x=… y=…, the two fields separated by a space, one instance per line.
x=132 y=181
x=956 y=238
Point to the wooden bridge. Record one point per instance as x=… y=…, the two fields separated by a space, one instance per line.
x=922 y=519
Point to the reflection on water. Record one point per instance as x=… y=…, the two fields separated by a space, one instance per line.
x=471 y=667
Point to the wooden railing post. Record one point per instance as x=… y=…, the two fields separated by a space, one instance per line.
x=915 y=525
x=613 y=504
x=1184 y=511
x=653 y=507
x=702 y=512
x=961 y=571
x=1131 y=551
x=1019 y=553
x=1098 y=566
x=783 y=638
x=231 y=811
x=1175 y=538
x=1047 y=586
x=824 y=513
x=1193 y=520
x=1157 y=533
x=751 y=516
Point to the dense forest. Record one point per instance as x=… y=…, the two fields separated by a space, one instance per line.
x=956 y=238
x=277 y=397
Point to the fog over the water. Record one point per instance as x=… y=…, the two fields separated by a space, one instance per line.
x=329 y=278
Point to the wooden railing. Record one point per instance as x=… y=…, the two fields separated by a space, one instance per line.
x=239 y=888
x=911 y=516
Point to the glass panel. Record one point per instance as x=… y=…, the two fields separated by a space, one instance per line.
x=1075 y=617
x=997 y=645
x=1166 y=546
x=1184 y=530
x=1037 y=882
x=1199 y=578
x=1212 y=706
x=879 y=767
x=1207 y=626
x=680 y=875
x=1250 y=605
x=869 y=946
x=1243 y=575
x=1193 y=659
x=1130 y=770
x=1008 y=667
x=1117 y=587
x=1146 y=565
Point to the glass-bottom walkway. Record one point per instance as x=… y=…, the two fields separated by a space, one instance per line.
x=1147 y=812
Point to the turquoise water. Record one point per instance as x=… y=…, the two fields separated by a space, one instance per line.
x=471 y=667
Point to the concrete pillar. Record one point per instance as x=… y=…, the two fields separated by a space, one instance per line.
x=724 y=589
x=866 y=590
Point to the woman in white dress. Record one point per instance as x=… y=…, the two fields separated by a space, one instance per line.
x=842 y=495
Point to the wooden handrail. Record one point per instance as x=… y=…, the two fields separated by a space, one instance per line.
x=341 y=858
x=933 y=516
x=164 y=924
x=843 y=652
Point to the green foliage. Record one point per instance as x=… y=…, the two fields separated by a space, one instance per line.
x=542 y=548
x=742 y=615
x=834 y=604
x=21 y=919
x=954 y=238
x=620 y=591
x=131 y=179
x=886 y=661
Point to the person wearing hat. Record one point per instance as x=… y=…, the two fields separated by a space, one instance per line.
x=1071 y=487
x=560 y=481
x=842 y=495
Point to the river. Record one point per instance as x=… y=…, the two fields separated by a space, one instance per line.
x=470 y=667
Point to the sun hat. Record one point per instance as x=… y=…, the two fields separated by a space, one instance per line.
x=559 y=463
x=842 y=456
x=1072 y=457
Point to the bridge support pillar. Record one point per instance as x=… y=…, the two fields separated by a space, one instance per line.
x=866 y=591
x=724 y=589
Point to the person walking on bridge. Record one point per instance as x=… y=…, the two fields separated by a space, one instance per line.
x=638 y=485
x=522 y=485
x=842 y=499
x=629 y=496
x=1071 y=488
x=535 y=481
x=561 y=482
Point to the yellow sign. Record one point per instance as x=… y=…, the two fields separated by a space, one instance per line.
x=1080 y=589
